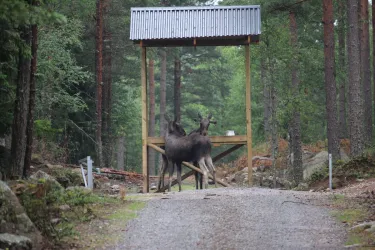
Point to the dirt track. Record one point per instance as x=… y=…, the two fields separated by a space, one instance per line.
x=228 y=218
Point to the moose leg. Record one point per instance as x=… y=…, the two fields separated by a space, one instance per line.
x=196 y=180
x=178 y=165
x=204 y=169
x=171 y=170
x=211 y=168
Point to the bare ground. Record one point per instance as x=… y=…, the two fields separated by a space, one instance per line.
x=229 y=218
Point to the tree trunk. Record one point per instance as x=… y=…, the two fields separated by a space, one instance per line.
x=343 y=131
x=107 y=96
x=297 y=172
x=330 y=82
x=273 y=123
x=373 y=50
x=356 y=117
x=266 y=98
x=163 y=95
x=21 y=109
x=151 y=129
x=99 y=80
x=30 y=117
x=365 y=69
x=120 y=152
x=177 y=89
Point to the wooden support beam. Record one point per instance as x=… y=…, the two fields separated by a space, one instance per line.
x=219 y=140
x=227 y=152
x=145 y=172
x=248 y=115
x=189 y=165
x=191 y=172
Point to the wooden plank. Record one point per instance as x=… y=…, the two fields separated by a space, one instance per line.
x=227 y=152
x=189 y=165
x=248 y=115
x=237 y=139
x=203 y=41
x=145 y=171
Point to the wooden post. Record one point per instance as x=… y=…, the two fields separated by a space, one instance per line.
x=145 y=171
x=248 y=115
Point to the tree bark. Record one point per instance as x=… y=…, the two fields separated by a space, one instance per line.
x=356 y=116
x=107 y=95
x=297 y=172
x=177 y=89
x=151 y=129
x=330 y=82
x=365 y=69
x=373 y=50
x=30 y=117
x=120 y=152
x=21 y=108
x=343 y=131
x=99 y=80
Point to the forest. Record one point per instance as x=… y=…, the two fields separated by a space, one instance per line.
x=70 y=81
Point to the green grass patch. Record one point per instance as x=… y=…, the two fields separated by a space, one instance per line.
x=350 y=216
x=127 y=213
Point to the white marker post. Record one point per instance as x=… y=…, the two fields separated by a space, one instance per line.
x=83 y=175
x=89 y=173
x=330 y=171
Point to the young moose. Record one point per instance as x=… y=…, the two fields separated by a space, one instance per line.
x=204 y=123
x=192 y=148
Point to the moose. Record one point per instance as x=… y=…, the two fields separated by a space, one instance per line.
x=204 y=124
x=196 y=147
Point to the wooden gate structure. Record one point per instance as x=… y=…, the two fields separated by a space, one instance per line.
x=195 y=26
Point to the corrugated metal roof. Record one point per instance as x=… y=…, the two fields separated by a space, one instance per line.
x=194 y=22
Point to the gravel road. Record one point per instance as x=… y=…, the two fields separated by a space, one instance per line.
x=232 y=218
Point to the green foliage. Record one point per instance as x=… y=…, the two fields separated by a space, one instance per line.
x=43 y=202
x=43 y=129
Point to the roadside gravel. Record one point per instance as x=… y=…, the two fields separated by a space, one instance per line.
x=233 y=218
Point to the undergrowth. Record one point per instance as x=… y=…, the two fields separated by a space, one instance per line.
x=357 y=168
x=55 y=210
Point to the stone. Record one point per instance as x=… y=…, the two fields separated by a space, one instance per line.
x=302 y=187
x=64 y=207
x=36 y=159
x=153 y=186
x=11 y=241
x=245 y=170
x=312 y=164
x=14 y=221
x=51 y=166
x=115 y=187
x=42 y=175
x=55 y=221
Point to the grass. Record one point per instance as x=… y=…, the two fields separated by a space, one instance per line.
x=108 y=228
x=351 y=212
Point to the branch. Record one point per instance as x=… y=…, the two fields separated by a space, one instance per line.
x=287 y=7
x=83 y=131
x=297 y=202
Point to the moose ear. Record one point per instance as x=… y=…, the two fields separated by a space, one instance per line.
x=200 y=116
x=209 y=116
x=167 y=118
x=213 y=122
